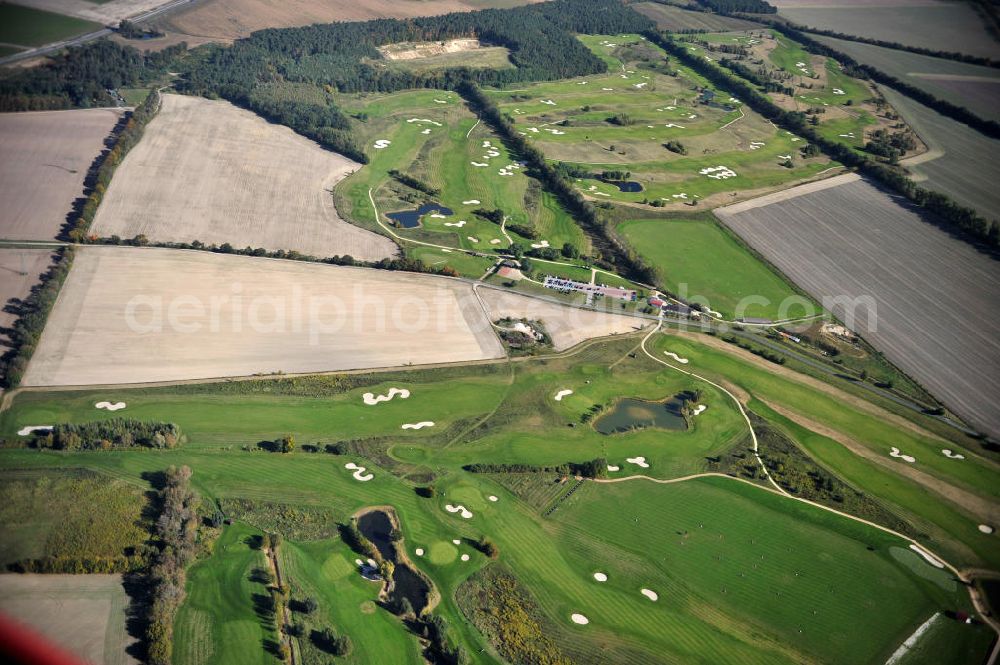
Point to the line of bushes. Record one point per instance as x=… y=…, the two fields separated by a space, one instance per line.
x=108 y=434
x=595 y=468
x=959 y=218
x=32 y=313
x=177 y=533
x=415 y=183
x=99 y=178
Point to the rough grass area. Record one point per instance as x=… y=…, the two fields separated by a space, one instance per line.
x=26 y=26
x=71 y=522
x=291 y=521
x=504 y=611
x=704 y=263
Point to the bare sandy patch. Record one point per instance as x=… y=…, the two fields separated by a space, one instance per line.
x=207 y=170
x=197 y=315
x=567 y=326
x=44 y=158
x=85 y=614
x=416 y=50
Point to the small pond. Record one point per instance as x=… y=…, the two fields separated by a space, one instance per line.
x=630 y=414
x=626 y=185
x=376 y=527
x=409 y=219
x=707 y=97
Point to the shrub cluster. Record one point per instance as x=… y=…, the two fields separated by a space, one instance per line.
x=595 y=468
x=108 y=434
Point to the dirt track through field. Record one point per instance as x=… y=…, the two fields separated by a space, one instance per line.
x=933 y=296
x=207 y=170
x=128 y=315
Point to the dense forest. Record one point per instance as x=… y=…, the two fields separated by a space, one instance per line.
x=731 y=6
x=83 y=77
x=345 y=57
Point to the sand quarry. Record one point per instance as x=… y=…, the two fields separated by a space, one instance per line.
x=207 y=170
x=128 y=315
x=44 y=158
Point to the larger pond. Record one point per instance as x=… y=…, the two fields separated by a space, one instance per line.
x=626 y=185
x=409 y=219
x=631 y=414
x=707 y=98
x=377 y=527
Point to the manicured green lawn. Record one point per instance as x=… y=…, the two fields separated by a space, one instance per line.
x=698 y=258
x=34 y=27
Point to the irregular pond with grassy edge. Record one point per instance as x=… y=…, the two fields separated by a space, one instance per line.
x=377 y=525
x=631 y=413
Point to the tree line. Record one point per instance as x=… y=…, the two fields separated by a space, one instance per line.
x=127 y=135
x=595 y=468
x=83 y=77
x=32 y=312
x=960 y=218
x=108 y=434
x=176 y=533
x=732 y=6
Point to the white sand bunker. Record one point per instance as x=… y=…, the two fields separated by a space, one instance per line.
x=422 y=424
x=638 y=461
x=491 y=153
x=674 y=125
x=465 y=557
x=459 y=224
x=457 y=541
x=427 y=120
x=440 y=101
x=493 y=498
x=426 y=131
x=985 y=528
x=495 y=241
x=371 y=398
x=640 y=85
x=419 y=551
x=437 y=215
x=718 y=172
x=466 y=513
x=612 y=467
x=607 y=89
x=894 y=452
x=682 y=195
x=30 y=429
x=487 y=144
x=540 y=245
x=470 y=202
x=580 y=619
x=600 y=577
x=382 y=143
x=472 y=238
x=359 y=472
x=652 y=595
x=557 y=132
x=951 y=455
x=549 y=102
x=838 y=91
x=756 y=145
x=683 y=361
x=699 y=410
x=581 y=83
x=110 y=406
x=784 y=156
x=927 y=557
x=478 y=164
x=563 y=393
x=359 y=562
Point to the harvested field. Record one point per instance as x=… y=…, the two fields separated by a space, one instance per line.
x=106 y=12
x=207 y=170
x=675 y=18
x=567 y=326
x=971 y=86
x=934 y=24
x=84 y=614
x=961 y=162
x=44 y=158
x=129 y=315
x=934 y=295
x=19 y=271
x=232 y=19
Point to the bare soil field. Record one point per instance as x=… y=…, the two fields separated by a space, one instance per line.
x=19 y=271
x=106 y=12
x=934 y=24
x=934 y=295
x=973 y=86
x=231 y=19
x=964 y=164
x=84 y=614
x=130 y=315
x=207 y=170
x=44 y=158
x=674 y=18
x=567 y=326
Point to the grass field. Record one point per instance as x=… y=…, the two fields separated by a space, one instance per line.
x=622 y=530
x=26 y=26
x=703 y=263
